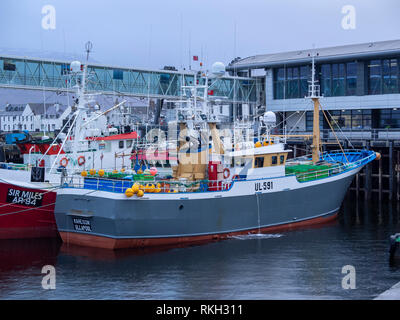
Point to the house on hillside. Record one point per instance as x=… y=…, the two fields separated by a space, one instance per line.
x=33 y=117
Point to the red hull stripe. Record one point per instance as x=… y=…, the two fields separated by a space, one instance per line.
x=111 y=243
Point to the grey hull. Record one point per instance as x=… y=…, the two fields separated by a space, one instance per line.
x=177 y=219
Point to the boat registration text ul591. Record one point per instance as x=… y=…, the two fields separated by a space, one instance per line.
x=263 y=186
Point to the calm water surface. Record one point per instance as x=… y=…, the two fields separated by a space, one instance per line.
x=303 y=264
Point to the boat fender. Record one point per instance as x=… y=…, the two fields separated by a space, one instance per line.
x=135 y=188
x=129 y=192
x=64 y=162
x=81 y=160
x=378 y=156
x=140 y=193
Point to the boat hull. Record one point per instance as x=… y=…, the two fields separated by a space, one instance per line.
x=97 y=221
x=26 y=212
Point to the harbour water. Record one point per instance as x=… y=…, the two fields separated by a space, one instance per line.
x=302 y=264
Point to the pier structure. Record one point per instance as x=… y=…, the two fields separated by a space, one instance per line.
x=28 y=73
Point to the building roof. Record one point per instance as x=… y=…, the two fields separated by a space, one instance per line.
x=354 y=51
x=51 y=109
x=12 y=109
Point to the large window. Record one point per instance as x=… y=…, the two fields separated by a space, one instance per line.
x=326 y=87
x=344 y=119
x=383 y=76
x=390 y=73
x=389 y=118
x=351 y=78
x=291 y=82
x=279 y=83
x=310 y=120
x=338 y=79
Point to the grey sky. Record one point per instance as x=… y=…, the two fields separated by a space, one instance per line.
x=154 y=33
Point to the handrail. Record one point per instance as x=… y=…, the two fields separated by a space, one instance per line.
x=119 y=186
x=338 y=168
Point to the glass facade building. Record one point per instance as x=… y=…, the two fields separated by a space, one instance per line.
x=381 y=76
x=361 y=119
x=291 y=82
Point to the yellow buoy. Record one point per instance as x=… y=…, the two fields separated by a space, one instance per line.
x=129 y=192
x=84 y=173
x=158 y=189
x=123 y=170
x=265 y=143
x=101 y=172
x=258 y=144
x=92 y=172
x=151 y=187
x=140 y=171
x=140 y=193
x=135 y=188
x=115 y=171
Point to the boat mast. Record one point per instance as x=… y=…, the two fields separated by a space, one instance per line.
x=314 y=95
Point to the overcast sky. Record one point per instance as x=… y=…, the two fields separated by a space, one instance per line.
x=154 y=33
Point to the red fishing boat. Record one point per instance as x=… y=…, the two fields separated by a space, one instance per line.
x=26 y=211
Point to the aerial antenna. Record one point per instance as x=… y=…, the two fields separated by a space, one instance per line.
x=88 y=47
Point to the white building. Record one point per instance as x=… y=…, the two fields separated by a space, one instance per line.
x=33 y=117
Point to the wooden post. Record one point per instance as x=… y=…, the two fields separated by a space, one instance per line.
x=316 y=133
x=357 y=185
x=398 y=175
x=390 y=170
x=380 y=179
x=367 y=179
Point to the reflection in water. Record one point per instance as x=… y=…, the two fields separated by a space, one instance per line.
x=292 y=265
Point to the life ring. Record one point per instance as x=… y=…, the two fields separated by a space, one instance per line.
x=64 y=162
x=235 y=177
x=226 y=173
x=81 y=160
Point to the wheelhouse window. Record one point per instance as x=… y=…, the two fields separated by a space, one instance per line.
x=281 y=159
x=274 y=160
x=128 y=143
x=121 y=144
x=259 y=162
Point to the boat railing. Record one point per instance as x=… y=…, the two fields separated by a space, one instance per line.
x=336 y=167
x=14 y=166
x=157 y=186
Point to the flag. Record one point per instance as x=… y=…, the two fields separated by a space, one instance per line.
x=195 y=58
